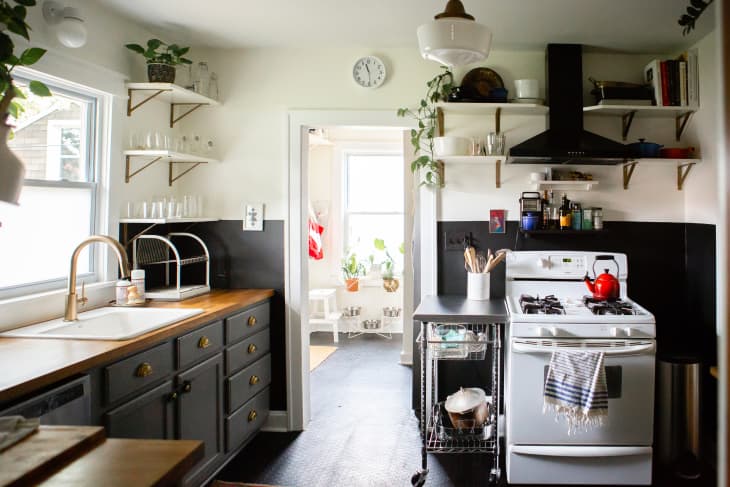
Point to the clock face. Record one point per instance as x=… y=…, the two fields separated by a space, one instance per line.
x=369 y=72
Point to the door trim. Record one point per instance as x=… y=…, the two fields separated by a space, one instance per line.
x=296 y=275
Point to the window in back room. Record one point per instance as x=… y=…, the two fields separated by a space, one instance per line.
x=373 y=202
x=55 y=137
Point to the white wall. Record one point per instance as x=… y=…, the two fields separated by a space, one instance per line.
x=258 y=87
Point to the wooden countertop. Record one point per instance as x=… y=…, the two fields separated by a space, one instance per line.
x=28 y=364
x=81 y=456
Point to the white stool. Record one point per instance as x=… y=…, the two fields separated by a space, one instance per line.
x=328 y=315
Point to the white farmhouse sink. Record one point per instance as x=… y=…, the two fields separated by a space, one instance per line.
x=109 y=323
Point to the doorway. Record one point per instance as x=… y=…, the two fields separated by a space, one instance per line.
x=423 y=216
x=356 y=237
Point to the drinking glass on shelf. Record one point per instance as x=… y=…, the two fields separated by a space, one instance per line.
x=495 y=144
x=148 y=140
x=199 y=205
x=476 y=146
x=196 y=144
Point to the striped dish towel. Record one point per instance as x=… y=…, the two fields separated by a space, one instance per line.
x=575 y=388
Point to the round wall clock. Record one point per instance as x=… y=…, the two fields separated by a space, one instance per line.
x=369 y=71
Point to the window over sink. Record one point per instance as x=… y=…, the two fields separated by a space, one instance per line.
x=56 y=137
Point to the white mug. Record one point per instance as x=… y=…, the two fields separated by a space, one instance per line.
x=537 y=176
x=527 y=88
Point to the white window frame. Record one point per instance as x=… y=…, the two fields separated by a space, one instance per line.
x=97 y=159
x=346 y=154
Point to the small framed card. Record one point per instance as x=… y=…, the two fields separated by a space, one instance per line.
x=496 y=221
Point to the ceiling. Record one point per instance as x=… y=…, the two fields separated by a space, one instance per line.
x=648 y=26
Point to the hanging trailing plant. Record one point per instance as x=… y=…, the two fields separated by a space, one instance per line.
x=695 y=9
x=440 y=87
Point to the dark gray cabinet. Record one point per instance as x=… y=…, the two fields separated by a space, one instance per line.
x=209 y=384
x=200 y=411
x=149 y=415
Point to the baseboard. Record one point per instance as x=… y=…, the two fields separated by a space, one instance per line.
x=277 y=422
x=406 y=358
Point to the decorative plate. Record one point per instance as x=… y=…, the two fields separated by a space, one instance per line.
x=477 y=85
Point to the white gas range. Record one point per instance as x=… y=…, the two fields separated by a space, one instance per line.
x=551 y=309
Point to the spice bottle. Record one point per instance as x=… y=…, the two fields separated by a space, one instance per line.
x=577 y=216
x=598 y=218
x=565 y=214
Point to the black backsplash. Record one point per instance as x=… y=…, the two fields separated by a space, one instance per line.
x=241 y=260
x=671 y=271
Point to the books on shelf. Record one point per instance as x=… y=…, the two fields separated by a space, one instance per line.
x=675 y=81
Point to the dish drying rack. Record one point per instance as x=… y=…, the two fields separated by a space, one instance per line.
x=156 y=249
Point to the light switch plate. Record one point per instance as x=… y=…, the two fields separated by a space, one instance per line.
x=253 y=217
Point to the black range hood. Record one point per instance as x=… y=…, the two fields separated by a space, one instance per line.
x=565 y=142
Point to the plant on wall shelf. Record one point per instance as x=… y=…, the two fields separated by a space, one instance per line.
x=695 y=9
x=387 y=267
x=161 y=59
x=440 y=87
x=352 y=270
x=12 y=19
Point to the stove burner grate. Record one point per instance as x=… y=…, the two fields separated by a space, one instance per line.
x=549 y=305
x=609 y=307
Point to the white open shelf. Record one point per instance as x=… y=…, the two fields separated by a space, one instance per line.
x=168 y=154
x=491 y=108
x=172 y=93
x=470 y=159
x=641 y=110
x=167 y=220
x=566 y=185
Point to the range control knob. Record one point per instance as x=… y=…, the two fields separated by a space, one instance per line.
x=543 y=263
x=629 y=332
x=615 y=332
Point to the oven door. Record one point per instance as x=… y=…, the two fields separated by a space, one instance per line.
x=630 y=379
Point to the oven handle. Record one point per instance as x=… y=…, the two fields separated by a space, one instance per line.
x=643 y=349
x=581 y=451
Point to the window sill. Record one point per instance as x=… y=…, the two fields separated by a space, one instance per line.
x=33 y=308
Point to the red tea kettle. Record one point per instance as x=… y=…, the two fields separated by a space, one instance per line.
x=606 y=286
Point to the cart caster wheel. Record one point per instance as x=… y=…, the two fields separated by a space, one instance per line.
x=494 y=477
x=419 y=478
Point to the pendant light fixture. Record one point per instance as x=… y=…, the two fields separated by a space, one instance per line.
x=454 y=38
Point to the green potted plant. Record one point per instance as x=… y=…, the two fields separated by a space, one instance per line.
x=440 y=87
x=387 y=266
x=161 y=59
x=352 y=270
x=12 y=19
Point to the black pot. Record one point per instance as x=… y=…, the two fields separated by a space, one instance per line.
x=161 y=73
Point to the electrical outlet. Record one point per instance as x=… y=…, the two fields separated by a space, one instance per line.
x=454 y=240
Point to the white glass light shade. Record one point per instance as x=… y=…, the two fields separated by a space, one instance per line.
x=454 y=41
x=71 y=31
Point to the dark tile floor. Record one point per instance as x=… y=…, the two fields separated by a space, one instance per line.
x=363 y=431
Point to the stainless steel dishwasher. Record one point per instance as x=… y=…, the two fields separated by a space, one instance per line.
x=65 y=404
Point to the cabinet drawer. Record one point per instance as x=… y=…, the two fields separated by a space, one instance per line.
x=246 y=323
x=247 y=420
x=136 y=372
x=247 y=352
x=199 y=344
x=248 y=382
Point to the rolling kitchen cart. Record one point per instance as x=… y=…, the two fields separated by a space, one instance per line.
x=454 y=328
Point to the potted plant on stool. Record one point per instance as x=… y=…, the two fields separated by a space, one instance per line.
x=161 y=59
x=351 y=271
x=390 y=283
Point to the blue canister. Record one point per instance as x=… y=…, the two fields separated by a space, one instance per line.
x=530 y=220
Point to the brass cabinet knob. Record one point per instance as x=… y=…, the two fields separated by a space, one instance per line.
x=251 y=320
x=252 y=348
x=143 y=370
x=187 y=387
x=253 y=380
x=204 y=342
x=252 y=415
